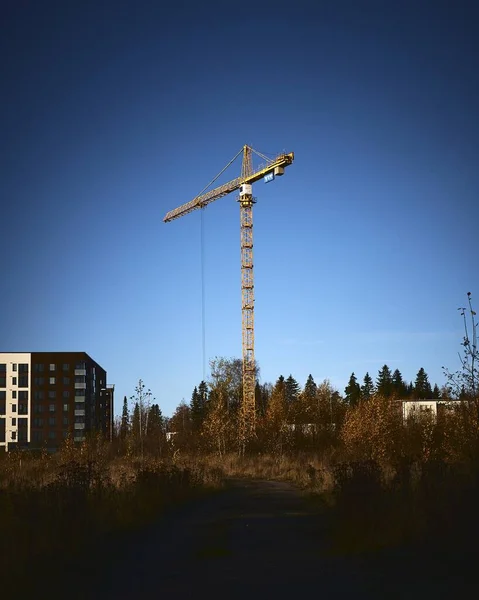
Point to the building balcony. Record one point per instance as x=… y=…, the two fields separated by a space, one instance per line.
x=80 y=372
x=80 y=386
x=80 y=413
x=79 y=426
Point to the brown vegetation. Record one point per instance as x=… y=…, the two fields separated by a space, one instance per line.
x=54 y=506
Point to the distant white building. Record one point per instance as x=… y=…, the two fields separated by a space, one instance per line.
x=421 y=406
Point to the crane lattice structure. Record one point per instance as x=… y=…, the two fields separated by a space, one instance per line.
x=244 y=183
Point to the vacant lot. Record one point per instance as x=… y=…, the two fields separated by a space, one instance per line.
x=260 y=539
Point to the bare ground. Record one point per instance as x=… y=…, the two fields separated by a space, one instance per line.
x=257 y=539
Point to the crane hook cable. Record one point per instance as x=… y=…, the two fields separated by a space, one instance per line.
x=203 y=320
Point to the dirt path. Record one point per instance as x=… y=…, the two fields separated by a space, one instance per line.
x=259 y=539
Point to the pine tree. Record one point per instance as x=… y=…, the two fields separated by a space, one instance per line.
x=156 y=438
x=125 y=420
x=196 y=410
x=310 y=388
x=384 y=382
x=308 y=399
x=135 y=423
x=353 y=391
x=203 y=394
x=436 y=392
x=155 y=421
x=399 y=388
x=292 y=390
x=367 y=389
x=422 y=387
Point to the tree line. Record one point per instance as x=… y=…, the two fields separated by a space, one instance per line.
x=288 y=415
x=389 y=384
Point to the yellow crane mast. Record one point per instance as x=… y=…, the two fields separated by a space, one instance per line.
x=269 y=170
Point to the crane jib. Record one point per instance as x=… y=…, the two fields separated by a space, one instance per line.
x=276 y=167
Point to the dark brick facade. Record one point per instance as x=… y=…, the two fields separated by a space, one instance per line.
x=66 y=398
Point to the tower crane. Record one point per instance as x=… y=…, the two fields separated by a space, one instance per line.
x=244 y=183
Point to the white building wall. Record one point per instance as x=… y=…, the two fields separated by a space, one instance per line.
x=416 y=407
x=12 y=360
x=411 y=407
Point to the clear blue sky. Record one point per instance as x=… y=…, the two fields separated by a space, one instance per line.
x=115 y=112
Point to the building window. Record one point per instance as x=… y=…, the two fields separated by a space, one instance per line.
x=52 y=435
x=66 y=367
x=3 y=382
x=38 y=422
x=23 y=381
x=80 y=393
x=14 y=436
x=79 y=406
x=39 y=381
x=37 y=436
x=52 y=394
x=23 y=368
x=23 y=409
x=14 y=394
x=52 y=380
x=65 y=420
x=14 y=367
x=22 y=435
x=51 y=408
x=52 y=421
x=38 y=368
x=39 y=395
x=66 y=394
x=65 y=408
x=14 y=381
x=23 y=395
x=14 y=408
x=52 y=367
x=14 y=422
x=3 y=368
x=38 y=408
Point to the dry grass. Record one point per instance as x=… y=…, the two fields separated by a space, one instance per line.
x=374 y=506
x=307 y=471
x=57 y=505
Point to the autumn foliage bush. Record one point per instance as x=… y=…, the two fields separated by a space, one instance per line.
x=406 y=481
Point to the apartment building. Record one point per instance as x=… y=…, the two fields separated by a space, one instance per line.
x=47 y=396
